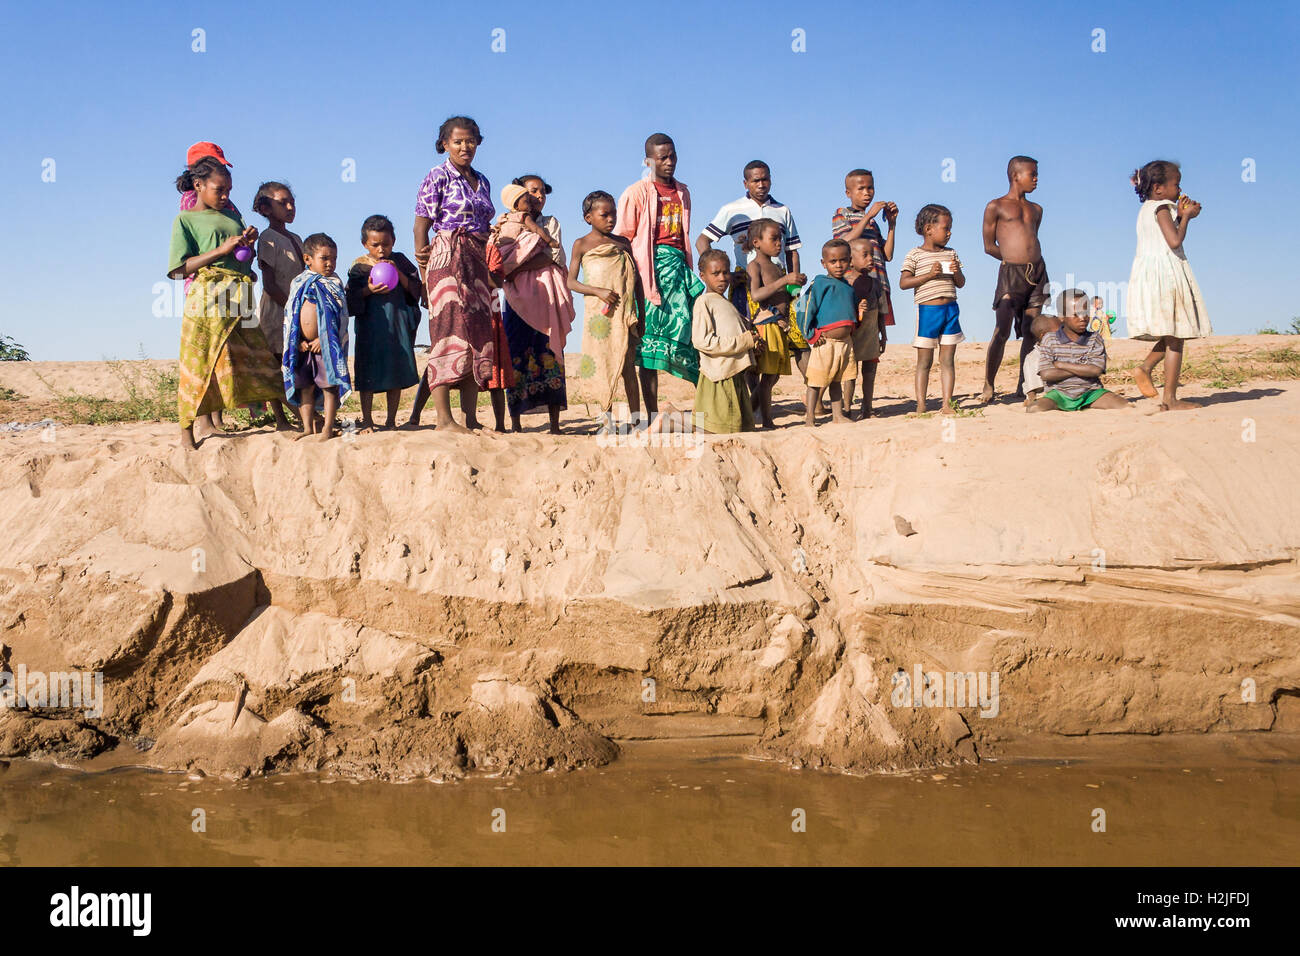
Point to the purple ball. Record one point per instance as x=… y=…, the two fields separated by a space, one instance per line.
x=243 y=253
x=384 y=273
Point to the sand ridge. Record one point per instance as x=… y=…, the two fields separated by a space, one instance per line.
x=417 y=604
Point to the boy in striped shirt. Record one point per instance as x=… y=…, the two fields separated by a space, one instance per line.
x=1072 y=360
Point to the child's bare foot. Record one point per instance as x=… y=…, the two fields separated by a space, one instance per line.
x=837 y=415
x=409 y=425
x=948 y=408
x=661 y=418
x=322 y=436
x=810 y=418
x=1178 y=405
x=920 y=407
x=987 y=395
x=453 y=427
x=187 y=439
x=1143 y=379
x=286 y=426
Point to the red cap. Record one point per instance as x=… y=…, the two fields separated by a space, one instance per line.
x=199 y=150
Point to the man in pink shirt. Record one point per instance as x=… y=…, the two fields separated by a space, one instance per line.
x=655 y=214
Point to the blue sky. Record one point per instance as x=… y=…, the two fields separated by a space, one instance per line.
x=292 y=90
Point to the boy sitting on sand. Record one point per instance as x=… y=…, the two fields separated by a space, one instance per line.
x=1072 y=361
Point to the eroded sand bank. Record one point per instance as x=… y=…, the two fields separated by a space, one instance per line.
x=405 y=605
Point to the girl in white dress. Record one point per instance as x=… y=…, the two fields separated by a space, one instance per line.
x=1164 y=301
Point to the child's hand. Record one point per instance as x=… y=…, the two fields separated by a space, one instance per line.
x=302 y=346
x=783 y=325
x=314 y=346
x=759 y=345
x=230 y=245
x=935 y=271
x=794 y=278
x=249 y=236
x=891 y=213
x=1189 y=209
x=609 y=297
x=876 y=208
x=378 y=289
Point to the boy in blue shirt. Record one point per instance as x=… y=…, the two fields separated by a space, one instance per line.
x=828 y=313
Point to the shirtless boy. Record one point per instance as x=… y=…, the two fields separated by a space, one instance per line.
x=767 y=282
x=1011 y=236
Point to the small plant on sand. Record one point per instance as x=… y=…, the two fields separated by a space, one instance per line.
x=150 y=397
x=1292 y=329
x=1214 y=370
x=11 y=351
x=974 y=411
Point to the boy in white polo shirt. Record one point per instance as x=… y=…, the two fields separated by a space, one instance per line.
x=733 y=221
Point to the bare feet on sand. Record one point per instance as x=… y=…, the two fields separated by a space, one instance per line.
x=987 y=395
x=1143 y=379
x=659 y=419
x=1177 y=405
x=453 y=427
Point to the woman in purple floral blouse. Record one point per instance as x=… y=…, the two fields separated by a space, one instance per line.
x=455 y=204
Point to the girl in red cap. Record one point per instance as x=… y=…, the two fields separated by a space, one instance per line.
x=224 y=361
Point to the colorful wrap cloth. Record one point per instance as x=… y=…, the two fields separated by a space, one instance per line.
x=326 y=293
x=224 y=361
x=606 y=339
x=666 y=345
x=460 y=310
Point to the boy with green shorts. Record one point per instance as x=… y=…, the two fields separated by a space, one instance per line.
x=1072 y=360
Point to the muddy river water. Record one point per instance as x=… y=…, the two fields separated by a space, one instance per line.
x=1204 y=801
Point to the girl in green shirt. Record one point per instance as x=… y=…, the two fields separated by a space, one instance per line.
x=225 y=361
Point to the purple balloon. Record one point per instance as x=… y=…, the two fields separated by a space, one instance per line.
x=243 y=253
x=384 y=273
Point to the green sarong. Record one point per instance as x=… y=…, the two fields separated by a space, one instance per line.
x=666 y=345
x=1067 y=404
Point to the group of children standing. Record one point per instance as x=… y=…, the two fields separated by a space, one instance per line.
x=733 y=330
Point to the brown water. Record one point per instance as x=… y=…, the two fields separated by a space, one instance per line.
x=1214 y=802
